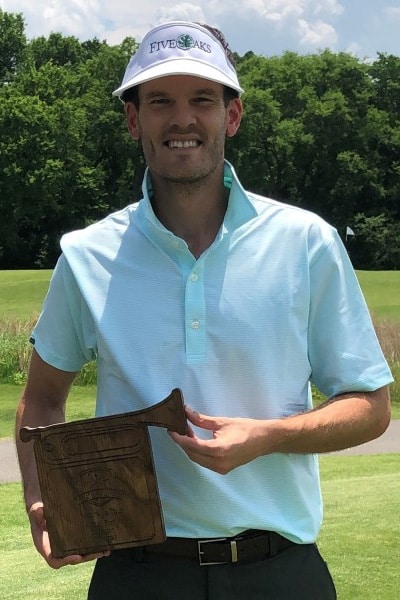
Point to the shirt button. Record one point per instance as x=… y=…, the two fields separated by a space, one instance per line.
x=195 y=324
x=194 y=277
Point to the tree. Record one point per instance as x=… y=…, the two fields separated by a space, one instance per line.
x=376 y=242
x=321 y=131
x=65 y=153
x=58 y=49
x=385 y=74
x=12 y=44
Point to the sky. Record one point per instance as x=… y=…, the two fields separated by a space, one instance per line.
x=267 y=27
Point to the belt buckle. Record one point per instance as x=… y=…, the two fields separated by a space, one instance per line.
x=233 y=546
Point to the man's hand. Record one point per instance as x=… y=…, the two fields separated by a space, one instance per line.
x=344 y=421
x=41 y=540
x=235 y=441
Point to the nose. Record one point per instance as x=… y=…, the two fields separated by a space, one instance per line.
x=182 y=115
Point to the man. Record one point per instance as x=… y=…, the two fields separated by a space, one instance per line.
x=238 y=300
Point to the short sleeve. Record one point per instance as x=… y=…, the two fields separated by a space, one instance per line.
x=344 y=352
x=64 y=335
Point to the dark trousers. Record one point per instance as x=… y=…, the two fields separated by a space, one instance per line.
x=298 y=573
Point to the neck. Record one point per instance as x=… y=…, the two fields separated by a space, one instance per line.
x=192 y=211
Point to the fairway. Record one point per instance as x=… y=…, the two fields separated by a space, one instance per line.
x=22 y=293
x=382 y=292
x=359 y=538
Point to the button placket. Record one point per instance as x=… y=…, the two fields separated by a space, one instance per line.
x=195 y=313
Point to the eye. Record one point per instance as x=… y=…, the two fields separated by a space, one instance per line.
x=156 y=101
x=202 y=100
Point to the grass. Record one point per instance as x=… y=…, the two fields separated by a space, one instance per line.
x=359 y=538
x=382 y=292
x=22 y=293
x=361 y=527
x=80 y=405
x=23 y=573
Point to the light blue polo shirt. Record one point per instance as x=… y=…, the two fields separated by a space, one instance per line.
x=271 y=305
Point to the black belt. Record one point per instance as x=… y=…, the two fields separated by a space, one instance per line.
x=247 y=546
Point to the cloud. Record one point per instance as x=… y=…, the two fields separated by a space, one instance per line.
x=277 y=11
x=285 y=10
x=317 y=35
x=392 y=12
x=71 y=17
x=264 y=26
x=353 y=48
x=183 y=12
x=328 y=7
x=304 y=22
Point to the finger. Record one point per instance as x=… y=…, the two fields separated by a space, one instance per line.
x=190 y=432
x=74 y=559
x=203 y=421
x=195 y=445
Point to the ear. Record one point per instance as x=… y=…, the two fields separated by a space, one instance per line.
x=234 y=116
x=132 y=120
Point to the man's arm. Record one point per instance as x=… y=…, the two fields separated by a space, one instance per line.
x=42 y=403
x=344 y=421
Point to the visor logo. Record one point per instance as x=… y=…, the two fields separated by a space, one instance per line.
x=183 y=42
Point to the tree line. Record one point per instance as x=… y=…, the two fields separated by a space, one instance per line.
x=320 y=131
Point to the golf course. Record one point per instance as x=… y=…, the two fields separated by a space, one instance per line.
x=361 y=529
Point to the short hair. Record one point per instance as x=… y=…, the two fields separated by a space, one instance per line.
x=217 y=33
x=131 y=95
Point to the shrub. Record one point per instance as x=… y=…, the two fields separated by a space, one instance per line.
x=15 y=352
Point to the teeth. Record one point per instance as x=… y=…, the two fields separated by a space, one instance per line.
x=183 y=144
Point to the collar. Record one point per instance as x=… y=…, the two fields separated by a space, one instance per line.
x=239 y=210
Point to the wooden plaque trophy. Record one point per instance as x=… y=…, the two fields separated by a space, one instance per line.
x=97 y=479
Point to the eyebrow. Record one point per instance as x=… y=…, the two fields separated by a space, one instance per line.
x=198 y=92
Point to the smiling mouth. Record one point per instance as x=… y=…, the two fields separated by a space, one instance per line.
x=183 y=144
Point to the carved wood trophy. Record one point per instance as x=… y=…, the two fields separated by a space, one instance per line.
x=97 y=478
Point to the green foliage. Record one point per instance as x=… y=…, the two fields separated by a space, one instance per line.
x=321 y=131
x=12 y=43
x=14 y=356
x=376 y=243
x=317 y=133
x=64 y=146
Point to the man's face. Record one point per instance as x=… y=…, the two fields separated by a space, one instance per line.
x=182 y=122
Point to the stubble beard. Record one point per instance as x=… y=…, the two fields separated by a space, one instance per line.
x=195 y=176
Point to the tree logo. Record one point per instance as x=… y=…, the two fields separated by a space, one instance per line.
x=185 y=42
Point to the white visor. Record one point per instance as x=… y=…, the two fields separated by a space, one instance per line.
x=179 y=48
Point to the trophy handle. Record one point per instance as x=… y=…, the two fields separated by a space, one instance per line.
x=169 y=413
